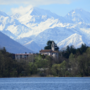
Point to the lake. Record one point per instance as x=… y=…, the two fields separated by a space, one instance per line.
x=45 y=83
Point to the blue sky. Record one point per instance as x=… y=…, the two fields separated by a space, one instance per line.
x=60 y=7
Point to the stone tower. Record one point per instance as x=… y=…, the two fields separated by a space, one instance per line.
x=53 y=46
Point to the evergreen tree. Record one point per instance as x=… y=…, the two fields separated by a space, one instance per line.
x=49 y=43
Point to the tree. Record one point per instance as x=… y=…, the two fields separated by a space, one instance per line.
x=54 y=69
x=4 y=50
x=83 y=48
x=63 y=68
x=74 y=65
x=49 y=43
x=32 y=68
x=59 y=69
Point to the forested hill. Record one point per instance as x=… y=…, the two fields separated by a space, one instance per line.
x=71 y=62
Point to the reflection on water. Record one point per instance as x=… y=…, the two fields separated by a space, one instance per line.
x=45 y=83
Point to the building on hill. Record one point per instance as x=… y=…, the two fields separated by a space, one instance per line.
x=50 y=52
x=24 y=56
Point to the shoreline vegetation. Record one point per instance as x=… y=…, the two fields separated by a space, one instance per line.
x=70 y=63
x=37 y=76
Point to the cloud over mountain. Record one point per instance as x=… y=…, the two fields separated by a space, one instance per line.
x=21 y=10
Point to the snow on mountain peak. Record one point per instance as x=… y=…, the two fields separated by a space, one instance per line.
x=75 y=40
x=33 y=27
x=79 y=15
x=12 y=29
x=21 y=10
x=32 y=15
x=22 y=14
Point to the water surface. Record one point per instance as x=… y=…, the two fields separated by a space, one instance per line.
x=53 y=83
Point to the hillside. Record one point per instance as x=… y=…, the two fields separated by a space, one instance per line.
x=11 y=45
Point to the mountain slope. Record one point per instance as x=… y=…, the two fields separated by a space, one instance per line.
x=39 y=26
x=75 y=40
x=11 y=45
x=35 y=15
x=33 y=46
x=58 y=28
x=79 y=15
x=12 y=26
x=57 y=34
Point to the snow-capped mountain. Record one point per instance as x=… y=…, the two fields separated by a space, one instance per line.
x=57 y=34
x=38 y=20
x=34 y=27
x=35 y=15
x=79 y=15
x=11 y=45
x=74 y=39
x=11 y=27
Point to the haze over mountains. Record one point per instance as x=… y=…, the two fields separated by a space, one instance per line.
x=36 y=26
x=11 y=45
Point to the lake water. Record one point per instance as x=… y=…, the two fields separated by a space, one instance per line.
x=53 y=83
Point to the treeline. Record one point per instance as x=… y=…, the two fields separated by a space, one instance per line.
x=8 y=66
x=73 y=62
x=79 y=51
x=70 y=62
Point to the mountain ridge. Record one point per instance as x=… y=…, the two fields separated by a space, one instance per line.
x=48 y=26
x=11 y=45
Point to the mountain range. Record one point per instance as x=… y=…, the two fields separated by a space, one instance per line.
x=35 y=27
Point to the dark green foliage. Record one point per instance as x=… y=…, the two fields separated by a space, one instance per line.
x=82 y=49
x=10 y=67
x=71 y=49
x=32 y=68
x=41 y=61
x=71 y=62
x=49 y=43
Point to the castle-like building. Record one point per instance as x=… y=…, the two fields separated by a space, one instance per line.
x=50 y=52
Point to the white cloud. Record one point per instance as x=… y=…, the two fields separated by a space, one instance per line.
x=36 y=2
x=21 y=10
